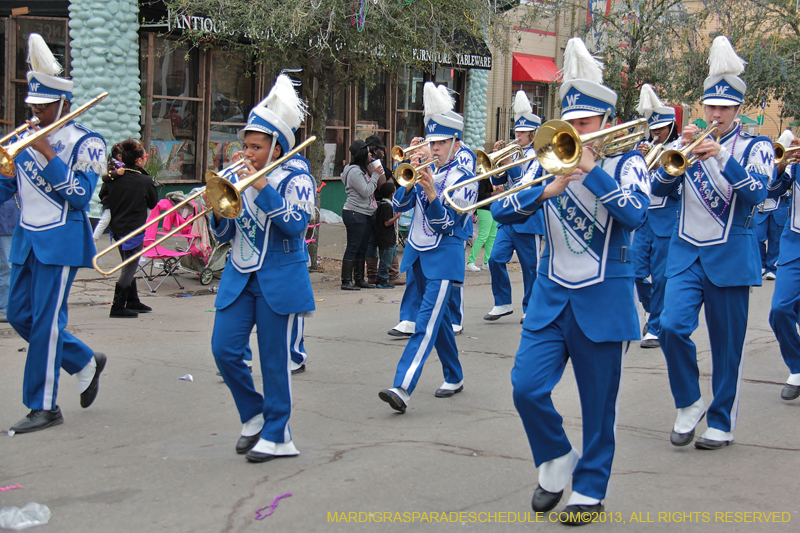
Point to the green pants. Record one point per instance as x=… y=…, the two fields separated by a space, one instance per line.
x=487 y=230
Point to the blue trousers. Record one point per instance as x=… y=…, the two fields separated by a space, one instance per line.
x=232 y=327
x=650 y=260
x=538 y=367
x=783 y=316
x=434 y=311
x=768 y=234
x=527 y=247
x=298 y=348
x=409 y=304
x=37 y=310
x=726 y=317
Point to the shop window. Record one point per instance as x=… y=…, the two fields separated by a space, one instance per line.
x=371 y=116
x=5 y=125
x=232 y=98
x=408 y=121
x=336 y=134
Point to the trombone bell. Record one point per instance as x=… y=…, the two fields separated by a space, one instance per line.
x=9 y=153
x=485 y=162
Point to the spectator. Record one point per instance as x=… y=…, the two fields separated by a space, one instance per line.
x=358 y=214
x=487 y=229
x=9 y=216
x=385 y=219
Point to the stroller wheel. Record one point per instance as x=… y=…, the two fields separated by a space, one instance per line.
x=206 y=276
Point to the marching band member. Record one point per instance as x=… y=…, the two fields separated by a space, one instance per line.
x=434 y=252
x=713 y=259
x=266 y=280
x=651 y=241
x=783 y=317
x=771 y=218
x=409 y=304
x=524 y=237
x=56 y=177
x=588 y=218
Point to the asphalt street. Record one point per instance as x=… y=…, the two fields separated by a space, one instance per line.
x=156 y=453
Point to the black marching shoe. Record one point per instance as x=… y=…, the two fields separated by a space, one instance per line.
x=88 y=396
x=708 y=444
x=446 y=393
x=790 y=392
x=245 y=444
x=118 y=309
x=682 y=439
x=580 y=515
x=299 y=370
x=258 y=457
x=395 y=402
x=38 y=419
x=347 y=276
x=133 y=302
x=544 y=501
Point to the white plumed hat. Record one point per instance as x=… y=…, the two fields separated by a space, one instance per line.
x=441 y=122
x=44 y=84
x=650 y=107
x=582 y=91
x=279 y=114
x=524 y=119
x=723 y=86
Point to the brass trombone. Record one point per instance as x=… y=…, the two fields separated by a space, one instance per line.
x=401 y=154
x=559 y=147
x=675 y=162
x=19 y=131
x=224 y=197
x=784 y=155
x=407 y=174
x=12 y=151
x=652 y=153
x=484 y=162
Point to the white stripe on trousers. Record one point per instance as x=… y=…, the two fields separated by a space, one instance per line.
x=52 y=345
x=437 y=309
x=301 y=324
x=735 y=406
x=287 y=437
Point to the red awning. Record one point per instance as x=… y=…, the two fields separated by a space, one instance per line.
x=533 y=68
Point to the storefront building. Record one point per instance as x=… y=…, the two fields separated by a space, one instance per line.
x=189 y=103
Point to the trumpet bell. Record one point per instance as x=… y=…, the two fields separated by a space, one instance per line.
x=558 y=147
x=486 y=162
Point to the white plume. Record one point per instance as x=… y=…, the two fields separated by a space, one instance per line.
x=648 y=100
x=521 y=104
x=285 y=103
x=436 y=101
x=40 y=58
x=722 y=58
x=579 y=63
x=786 y=138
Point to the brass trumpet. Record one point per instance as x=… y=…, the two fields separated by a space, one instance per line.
x=652 y=152
x=784 y=155
x=559 y=147
x=484 y=162
x=12 y=151
x=22 y=129
x=675 y=162
x=401 y=154
x=224 y=196
x=407 y=174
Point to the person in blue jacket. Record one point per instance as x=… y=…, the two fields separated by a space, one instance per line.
x=589 y=217
x=55 y=179
x=651 y=241
x=771 y=218
x=713 y=256
x=434 y=251
x=524 y=237
x=783 y=316
x=266 y=281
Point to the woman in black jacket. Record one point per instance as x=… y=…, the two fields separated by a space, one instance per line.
x=129 y=197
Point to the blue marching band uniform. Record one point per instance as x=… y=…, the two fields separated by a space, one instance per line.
x=713 y=260
x=771 y=218
x=651 y=240
x=785 y=311
x=585 y=261
x=524 y=237
x=266 y=283
x=435 y=255
x=51 y=242
x=409 y=304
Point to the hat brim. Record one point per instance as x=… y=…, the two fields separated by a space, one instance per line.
x=439 y=137
x=720 y=101
x=40 y=100
x=659 y=125
x=526 y=128
x=580 y=113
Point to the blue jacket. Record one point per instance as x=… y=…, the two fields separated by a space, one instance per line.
x=269 y=240
x=534 y=224
x=54 y=198
x=717 y=206
x=438 y=232
x=790 y=237
x=585 y=262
